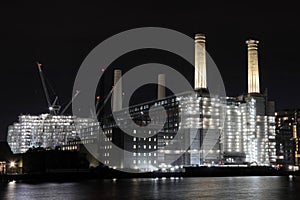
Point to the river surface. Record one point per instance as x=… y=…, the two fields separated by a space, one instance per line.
x=170 y=188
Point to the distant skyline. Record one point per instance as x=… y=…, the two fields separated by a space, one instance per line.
x=61 y=34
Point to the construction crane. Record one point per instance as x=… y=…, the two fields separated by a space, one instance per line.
x=54 y=107
x=70 y=102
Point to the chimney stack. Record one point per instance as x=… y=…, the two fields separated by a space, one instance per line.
x=253 y=74
x=161 y=90
x=117 y=91
x=200 y=62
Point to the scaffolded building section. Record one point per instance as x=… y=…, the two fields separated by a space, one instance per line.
x=49 y=131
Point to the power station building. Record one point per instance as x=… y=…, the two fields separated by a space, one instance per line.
x=219 y=130
x=199 y=128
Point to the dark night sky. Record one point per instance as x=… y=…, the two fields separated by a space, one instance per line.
x=60 y=34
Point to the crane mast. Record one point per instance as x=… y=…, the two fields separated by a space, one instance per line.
x=53 y=107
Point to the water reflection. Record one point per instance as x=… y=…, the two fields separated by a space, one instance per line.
x=166 y=188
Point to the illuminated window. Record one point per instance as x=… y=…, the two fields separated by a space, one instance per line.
x=134 y=146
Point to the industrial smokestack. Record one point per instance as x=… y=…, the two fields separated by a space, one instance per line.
x=117 y=91
x=161 y=90
x=253 y=74
x=200 y=62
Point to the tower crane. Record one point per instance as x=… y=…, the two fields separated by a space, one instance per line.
x=54 y=107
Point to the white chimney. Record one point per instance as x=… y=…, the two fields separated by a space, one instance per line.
x=117 y=91
x=161 y=90
x=200 y=62
x=253 y=74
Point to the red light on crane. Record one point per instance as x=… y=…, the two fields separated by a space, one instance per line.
x=98 y=97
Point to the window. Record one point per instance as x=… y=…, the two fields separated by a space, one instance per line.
x=134 y=146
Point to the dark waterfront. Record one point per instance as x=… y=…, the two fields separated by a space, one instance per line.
x=170 y=188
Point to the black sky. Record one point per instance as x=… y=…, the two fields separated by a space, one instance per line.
x=61 y=33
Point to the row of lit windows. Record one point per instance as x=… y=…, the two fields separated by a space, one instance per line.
x=145 y=161
x=144 y=154
x=144 y=147
x=139 y=139
x=108 y=147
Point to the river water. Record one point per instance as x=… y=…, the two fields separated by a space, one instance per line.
x=170 y=188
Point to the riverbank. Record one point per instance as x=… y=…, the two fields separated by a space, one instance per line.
x=108 y=173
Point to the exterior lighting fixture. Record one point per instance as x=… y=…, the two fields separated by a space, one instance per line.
x=12 y=164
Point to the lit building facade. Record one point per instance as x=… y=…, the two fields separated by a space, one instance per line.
x=287 y=137
x=49 y=131
x=242 y=136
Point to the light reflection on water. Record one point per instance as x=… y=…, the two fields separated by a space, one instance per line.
x=169 y=188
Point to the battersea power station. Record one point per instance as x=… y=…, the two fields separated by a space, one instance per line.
x=202 y=128
x=196 y=127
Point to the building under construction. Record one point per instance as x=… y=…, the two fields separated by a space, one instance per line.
x=218 y=130
x=246 y=135
x=51 y=130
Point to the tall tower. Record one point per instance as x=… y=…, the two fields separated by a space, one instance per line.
x=253 y=74
x=117 y=91
x=200 y=62
x=161 y=90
